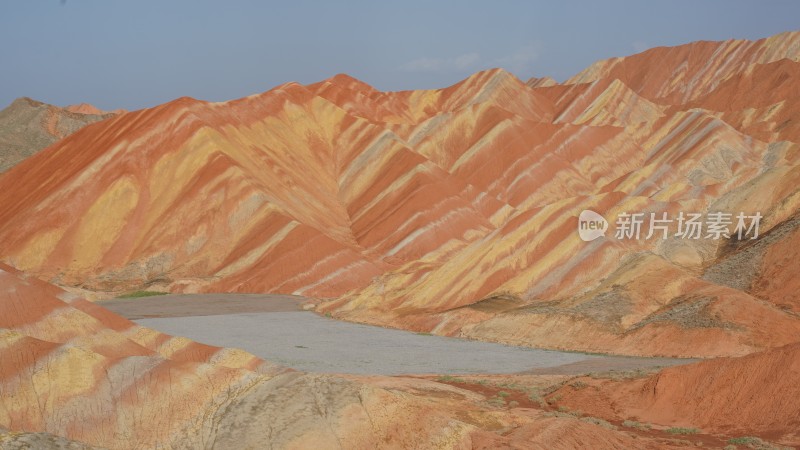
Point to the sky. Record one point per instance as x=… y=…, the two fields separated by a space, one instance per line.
x=140 y=53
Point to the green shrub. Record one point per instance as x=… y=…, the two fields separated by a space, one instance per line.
x=637 y=425
x=567 y=411
x=535 y=397
x=497 y=401
x=753 y=443
x=139 y=294
x=681 y=430
x=600 y=422
x=745 y=440
x=450 y=379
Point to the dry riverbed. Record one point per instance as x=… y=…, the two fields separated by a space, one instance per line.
x=276 y=328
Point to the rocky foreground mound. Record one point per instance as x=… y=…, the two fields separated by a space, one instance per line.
x=751 y=395
x=74 y=375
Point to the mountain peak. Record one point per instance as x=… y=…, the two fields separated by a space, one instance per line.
x=495 y=72
x=346 y=81
x=84 y=108
x=26 y=102
x=692 y=64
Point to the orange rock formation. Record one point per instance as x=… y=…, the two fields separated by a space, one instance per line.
x=452 y=211
x=745 y=396
x=72 y=371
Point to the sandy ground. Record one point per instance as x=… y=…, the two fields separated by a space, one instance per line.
x=183 y=305
x=313 y=343
x=609 y=363
x=275 y=328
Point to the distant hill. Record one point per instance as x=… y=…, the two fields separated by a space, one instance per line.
x=27 y=126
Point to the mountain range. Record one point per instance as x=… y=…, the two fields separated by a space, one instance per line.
x=452 y=211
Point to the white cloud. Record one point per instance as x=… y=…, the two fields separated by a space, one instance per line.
x=442 y=64
x=521 y=60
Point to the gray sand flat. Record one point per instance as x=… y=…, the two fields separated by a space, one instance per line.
x=183 y=305
x=275 y=328
x=312 y=343
x=608 y=363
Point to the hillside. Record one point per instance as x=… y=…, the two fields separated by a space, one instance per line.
x=452 y=211
x=73 y=371
x=741 y=396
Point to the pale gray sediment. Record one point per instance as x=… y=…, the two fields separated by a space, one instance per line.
x=275 y=329
x=183 y=305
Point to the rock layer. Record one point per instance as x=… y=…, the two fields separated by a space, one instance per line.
x=451 y=211
x=750 y=395
x=74 y=375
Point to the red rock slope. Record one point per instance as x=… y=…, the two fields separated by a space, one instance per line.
x=751 y=395
x=454 y=210
x=73 y=369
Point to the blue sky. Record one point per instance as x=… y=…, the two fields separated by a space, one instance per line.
x=139 y=53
